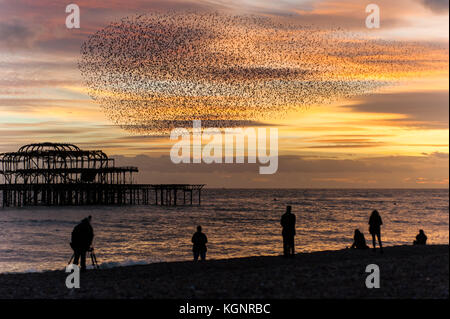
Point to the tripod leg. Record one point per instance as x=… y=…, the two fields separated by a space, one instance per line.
x=92 y=260
x=95 y=260
x=71 y=258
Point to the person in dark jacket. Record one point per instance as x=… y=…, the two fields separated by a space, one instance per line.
x=421 y=238
x=82 y=236
x=375 y=223
x=199 y=241
x=288 y=233
x=359 y=241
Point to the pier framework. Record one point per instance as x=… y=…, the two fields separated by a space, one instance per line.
x=62 y=174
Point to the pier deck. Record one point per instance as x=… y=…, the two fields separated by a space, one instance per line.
x=19 y=195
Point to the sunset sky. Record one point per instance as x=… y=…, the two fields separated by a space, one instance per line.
x=395 y=136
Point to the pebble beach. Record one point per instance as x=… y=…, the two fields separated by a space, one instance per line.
x=405 y=272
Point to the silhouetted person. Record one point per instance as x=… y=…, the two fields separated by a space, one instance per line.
x=421 y=238
x=288 y=224
x=82 y=236
x=359 y=241
x=199 y=248
x=375 y=223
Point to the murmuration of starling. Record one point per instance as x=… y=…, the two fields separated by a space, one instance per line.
x=154 y=72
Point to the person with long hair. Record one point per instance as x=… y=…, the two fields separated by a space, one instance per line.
x=375 y=223
x=359 y=241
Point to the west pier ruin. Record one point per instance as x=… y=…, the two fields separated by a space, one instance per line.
x=49 y=174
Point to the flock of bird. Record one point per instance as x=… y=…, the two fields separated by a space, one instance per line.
x=154 y=72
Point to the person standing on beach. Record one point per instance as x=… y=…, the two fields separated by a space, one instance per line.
x=82 y=236
x=288 y=224
x=375 y=223
x=199 y=241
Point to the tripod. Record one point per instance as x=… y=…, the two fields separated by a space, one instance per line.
x=92 y=256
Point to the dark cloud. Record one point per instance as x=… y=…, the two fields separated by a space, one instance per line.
x=298 y=172
x=423 y=109
x=30 y=83
x=40 y=25
x=27 y=104
x=440 y=155
x=437 y=6
x=353 y=145
x=16 y=34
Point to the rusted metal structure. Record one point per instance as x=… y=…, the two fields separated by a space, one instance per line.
x=63 y=174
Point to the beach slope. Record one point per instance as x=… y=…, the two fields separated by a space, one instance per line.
x=405 y=272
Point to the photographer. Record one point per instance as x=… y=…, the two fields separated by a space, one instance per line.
x=82 y=236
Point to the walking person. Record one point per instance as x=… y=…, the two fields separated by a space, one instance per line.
x=375 y=223
x=288 y=233
x=199 y=241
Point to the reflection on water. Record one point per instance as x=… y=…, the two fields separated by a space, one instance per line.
x=238 y=223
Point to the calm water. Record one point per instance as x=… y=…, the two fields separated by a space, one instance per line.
x=238 y=223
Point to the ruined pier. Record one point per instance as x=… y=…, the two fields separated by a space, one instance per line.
x=49 y=174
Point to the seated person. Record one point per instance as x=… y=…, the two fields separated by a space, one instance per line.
x=359 y=241
x=421 y=238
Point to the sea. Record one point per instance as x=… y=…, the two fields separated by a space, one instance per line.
x=237 y=222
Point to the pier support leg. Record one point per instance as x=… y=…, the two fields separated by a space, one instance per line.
x=175 y=197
